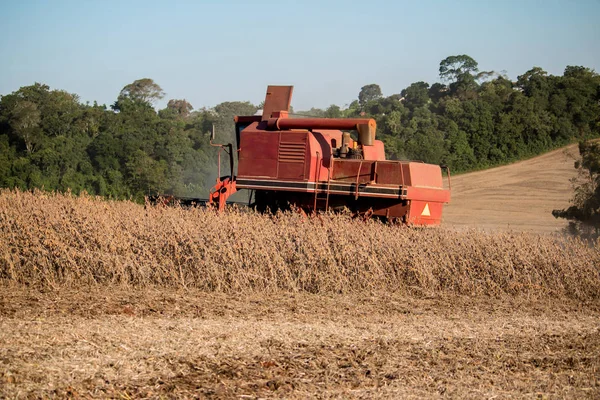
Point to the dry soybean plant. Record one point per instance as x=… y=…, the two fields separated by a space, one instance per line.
x=57 y=240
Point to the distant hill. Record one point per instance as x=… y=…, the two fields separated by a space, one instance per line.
x=518 y=197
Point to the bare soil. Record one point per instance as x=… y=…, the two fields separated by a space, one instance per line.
x=182 y=344
x=518 y=197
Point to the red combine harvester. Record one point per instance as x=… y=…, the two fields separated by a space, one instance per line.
x=314 y=164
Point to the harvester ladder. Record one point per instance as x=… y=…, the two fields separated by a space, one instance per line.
x=322 y=195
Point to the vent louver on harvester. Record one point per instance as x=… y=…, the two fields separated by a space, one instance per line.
x=313 y=164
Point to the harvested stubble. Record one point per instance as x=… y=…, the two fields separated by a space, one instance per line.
x=59 y=240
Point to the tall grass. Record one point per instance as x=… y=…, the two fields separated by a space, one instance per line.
x=57 y=240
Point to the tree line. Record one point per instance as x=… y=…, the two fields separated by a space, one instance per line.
x=469 y=120
x=50 y=140
x=477 y=119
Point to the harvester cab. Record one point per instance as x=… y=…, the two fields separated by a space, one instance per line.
x=316 y=165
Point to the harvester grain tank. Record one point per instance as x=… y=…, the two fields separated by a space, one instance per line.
x=316 y=164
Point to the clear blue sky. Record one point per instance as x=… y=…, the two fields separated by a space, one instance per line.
x=210 y=51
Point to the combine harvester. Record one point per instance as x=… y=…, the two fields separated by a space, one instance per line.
x=312 y=164
x=316 y=165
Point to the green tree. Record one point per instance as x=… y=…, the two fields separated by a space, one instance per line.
x=25 y=120
x=422 y=138
x=453 y=68
x=181 y=108
x=369 y=93
x=462 y=73
x=584 y=213
x=223 y=118
x=459 y=153
x=437 y=91
x=144 y=90
x=416 y=95
x=333 y=111
x=147 y=175
x=534 y=83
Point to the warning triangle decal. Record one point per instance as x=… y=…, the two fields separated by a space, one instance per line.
x=426 y=212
